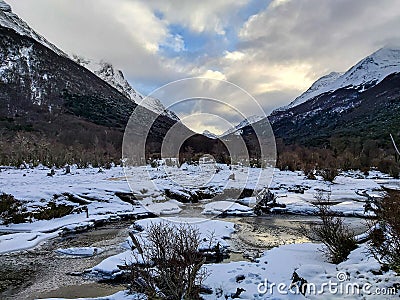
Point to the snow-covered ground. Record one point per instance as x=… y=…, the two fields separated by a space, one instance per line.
x=105 y=193
x=211 y=232
x=227 y=208
x=271 y=276
x=101 y=193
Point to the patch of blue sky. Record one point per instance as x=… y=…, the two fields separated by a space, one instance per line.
x=209 y=44
x=194 y=42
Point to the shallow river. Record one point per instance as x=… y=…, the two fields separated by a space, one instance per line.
x=43 y=273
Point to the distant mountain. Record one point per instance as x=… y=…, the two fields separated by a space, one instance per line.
x=246 y=122
x=345 y=114
x=209 y=134
x=364 y=75
x=116 y=79
x=350 y=114
x=363 y=102
x=109 y=74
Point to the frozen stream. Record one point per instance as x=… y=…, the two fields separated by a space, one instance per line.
x=41 y=272
x=44 y=273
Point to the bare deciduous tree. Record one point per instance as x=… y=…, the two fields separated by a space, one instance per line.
x=168 y=263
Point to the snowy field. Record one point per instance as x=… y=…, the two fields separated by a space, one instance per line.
x=101 y=193
x=108 y=196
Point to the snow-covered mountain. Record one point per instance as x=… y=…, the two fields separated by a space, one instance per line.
x=116 y=79
x=10 y=20
x=102 y=69
x=365 y=74
x=246 y=122
x=363 y=103
x=209 y=134
x=155 y=105
x=51 y=100
x=109 y=74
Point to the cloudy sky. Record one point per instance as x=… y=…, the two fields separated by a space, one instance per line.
x=273 y=49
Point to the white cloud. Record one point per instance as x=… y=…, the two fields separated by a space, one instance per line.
x=199 y=16
x=234 y=55
x=139 y=20
x=276 y=3
x=213 y=75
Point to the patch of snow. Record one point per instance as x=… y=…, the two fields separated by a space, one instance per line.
x=109 y=266
x=260 y=279
x=227 y=208
x=164 y=208
x=221 y=230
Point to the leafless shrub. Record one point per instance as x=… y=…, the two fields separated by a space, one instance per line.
x=385 y=236
x=168 y=264
x=265 y=202
x=308 y=170
x=337 y=238
x=329 y=174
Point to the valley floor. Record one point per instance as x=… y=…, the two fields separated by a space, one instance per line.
x=108 y=197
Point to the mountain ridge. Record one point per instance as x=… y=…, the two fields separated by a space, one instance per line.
x=115 y=77
x=10 y=20
x=366 y=73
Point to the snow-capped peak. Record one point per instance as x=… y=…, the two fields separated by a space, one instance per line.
x=109 y=74
x=248 y=121
x=320 y=86
x=366 y=73
x=116 y=79
x=209 y=134
x=10 y=20
x=372 y=69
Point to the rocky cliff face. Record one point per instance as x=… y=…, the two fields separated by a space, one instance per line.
x=116 y=79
